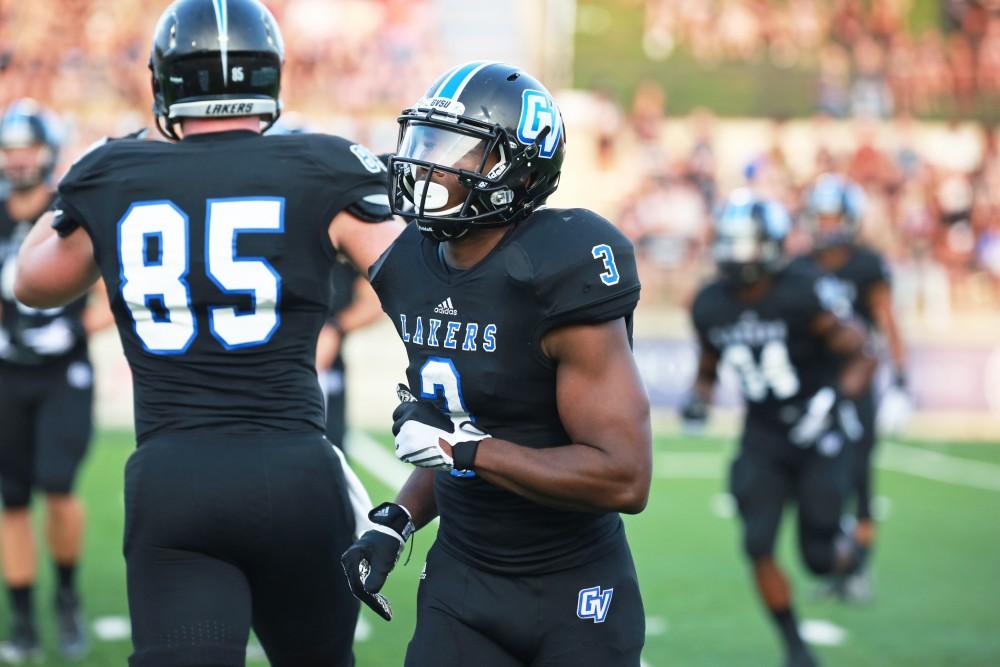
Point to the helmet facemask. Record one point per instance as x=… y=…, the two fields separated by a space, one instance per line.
x=748 y=244
x=452 y=173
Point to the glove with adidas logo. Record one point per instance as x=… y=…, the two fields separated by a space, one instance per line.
x=368 y=562
x=428 y=438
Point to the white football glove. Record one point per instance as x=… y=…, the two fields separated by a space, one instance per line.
x=425 y=435
x=894 y=411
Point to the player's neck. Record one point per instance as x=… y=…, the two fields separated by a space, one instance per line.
x=466 y=252
x=833 y=258
x=755 y=291
x=192 y=126
x=28 y=204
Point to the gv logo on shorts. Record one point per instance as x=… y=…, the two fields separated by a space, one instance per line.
x=593 y=603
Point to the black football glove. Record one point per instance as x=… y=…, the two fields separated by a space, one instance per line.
x=368 y=562
x=420 y=426
x=694 y=415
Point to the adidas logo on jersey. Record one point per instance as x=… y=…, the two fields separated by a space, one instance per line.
x=446 y=307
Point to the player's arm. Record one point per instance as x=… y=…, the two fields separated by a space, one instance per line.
x=54 y=270
x=880 y=303
x=848 y=340
x=362 y=241
x=363 y=310
x=604 y=409
x=97 y=316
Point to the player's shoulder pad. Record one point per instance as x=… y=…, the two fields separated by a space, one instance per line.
x=580 y=267
x=872 y=263
x=800 y=286
x=709 y=300
x=340 y=156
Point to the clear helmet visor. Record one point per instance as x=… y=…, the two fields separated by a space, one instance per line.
x=432 y=158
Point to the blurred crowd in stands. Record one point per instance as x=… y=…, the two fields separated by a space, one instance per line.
x=932 y=196
x=361 y=55
x=868 y=62
x=934 y=211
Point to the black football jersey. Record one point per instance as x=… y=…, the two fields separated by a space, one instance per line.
x=768 y=344
x=217 y=262
x=31 y=337
x=847 y=288
x=473 y=341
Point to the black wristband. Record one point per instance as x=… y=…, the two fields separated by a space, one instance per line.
x=464 y=454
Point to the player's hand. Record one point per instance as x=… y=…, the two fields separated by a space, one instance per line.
x=895 y=409
x=694 y=415
x=368 y=562
x=425 y=436
x=828 y=421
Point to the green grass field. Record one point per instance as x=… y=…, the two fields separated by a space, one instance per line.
x=937 y=569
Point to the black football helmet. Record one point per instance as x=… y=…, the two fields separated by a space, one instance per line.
x=216 y=59
x=749 y=237
x=26 y=124
x=834 y=197
x=493 y=132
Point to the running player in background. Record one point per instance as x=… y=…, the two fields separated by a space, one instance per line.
x=801 y=368
x=46 y=398
x=859 y=276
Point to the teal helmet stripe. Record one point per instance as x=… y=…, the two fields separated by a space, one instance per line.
x=458 y=79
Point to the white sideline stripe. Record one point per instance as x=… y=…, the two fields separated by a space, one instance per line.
x=373 y=457
x=892 y=456
x=940 y=467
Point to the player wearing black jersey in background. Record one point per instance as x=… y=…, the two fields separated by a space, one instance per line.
x=800 y=369
x=525 y=414
x=46 y=395
x=353 y=305
x=859 y=276
x=216 y=251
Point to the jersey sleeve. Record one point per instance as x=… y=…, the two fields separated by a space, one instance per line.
x=582 y=269
x=875 y=268
x=75 y=196
x=360 y=180
x=701 y=316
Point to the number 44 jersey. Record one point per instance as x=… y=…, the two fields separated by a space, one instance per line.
x=217 y=259
x=769 y=344
x=473 y=339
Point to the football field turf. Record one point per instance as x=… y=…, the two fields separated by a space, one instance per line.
x=937 y=567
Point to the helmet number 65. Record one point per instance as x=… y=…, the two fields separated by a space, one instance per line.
x=603 y=252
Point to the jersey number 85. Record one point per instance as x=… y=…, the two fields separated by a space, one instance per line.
x=155 y=256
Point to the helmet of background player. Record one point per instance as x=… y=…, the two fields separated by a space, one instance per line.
x=216 y=59
x=833 y=210
x=484 y=147
x=749 y=237
x=29 y=144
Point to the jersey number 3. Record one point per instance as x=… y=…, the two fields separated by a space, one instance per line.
x=154 y=254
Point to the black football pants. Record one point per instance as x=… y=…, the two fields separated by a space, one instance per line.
x=228 y=532
x=863 y=461
x=45 y=428
x=770 y=472
x=587 y=616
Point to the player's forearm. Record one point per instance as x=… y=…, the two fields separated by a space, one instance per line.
x=52 y=271
x=856 y=375
x=577 y=477
x=417 y=496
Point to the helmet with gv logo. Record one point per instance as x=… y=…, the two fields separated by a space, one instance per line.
x=29 y=144
x=483 y=148
x=749 y=237
x=833 y=210
x=215 y=59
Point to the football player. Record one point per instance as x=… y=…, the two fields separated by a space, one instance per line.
x=525 y=415
x=354 y=305
x=46 y=395
x=216 y=251
x=861 y=277
x=800 y=368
